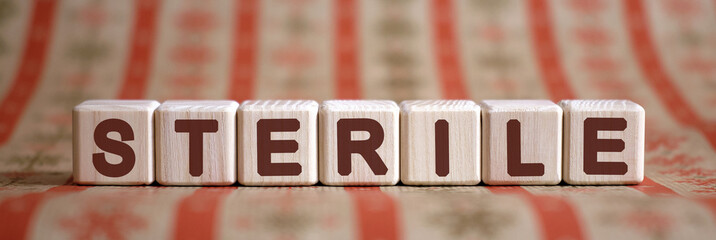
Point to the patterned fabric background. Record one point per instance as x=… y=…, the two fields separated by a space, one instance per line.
x=660 y=54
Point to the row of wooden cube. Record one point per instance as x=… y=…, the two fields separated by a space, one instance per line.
x=358 y=142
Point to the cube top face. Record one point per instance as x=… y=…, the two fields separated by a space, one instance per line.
x=522 y=142
x=199 y=106
x=438 y=105
x=359 y=142
x=520 y=106
x=279 y=105
x=601 y=105
x=195 y=142
x=440 y=142
x=603 y=142
x=278 y=143
x=360 y=105
x=116 y=105
x=119 y=134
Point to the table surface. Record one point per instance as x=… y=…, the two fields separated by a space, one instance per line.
x=660 y=54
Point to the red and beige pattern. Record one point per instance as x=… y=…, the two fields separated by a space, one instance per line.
x=56 y=53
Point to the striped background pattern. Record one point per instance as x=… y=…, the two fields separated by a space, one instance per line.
x=55 y=54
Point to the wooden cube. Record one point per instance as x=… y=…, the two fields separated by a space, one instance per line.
x=603 y=142
x=195 y=142
x=359 y=142
x=440 y=142
x=522 y=142
x=278 y=143
x=113 y=142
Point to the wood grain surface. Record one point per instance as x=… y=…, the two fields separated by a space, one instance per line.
x=453 y=126
x=384 y=113
x=216 y=149
x=298 y=124
x=138 y=115
x=626 y=129
x=536 y=141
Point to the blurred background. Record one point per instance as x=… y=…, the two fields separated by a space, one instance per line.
x=56 y=54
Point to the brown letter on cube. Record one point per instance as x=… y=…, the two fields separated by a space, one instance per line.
x=196 y=129
x=522 y=142
x=196 y=142
x=593 y=145
x=603 y=142
x=440 y=142
x=515 y=167
x=359 y=142
x=265 y=146
x=442 y=148
x=113 y=146
x=113 y=142
x=288 y=127
x=366 y=148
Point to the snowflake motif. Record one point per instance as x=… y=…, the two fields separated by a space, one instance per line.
x=505 y=85
x=188 y=82
x=681 y=160
x=196 y=21
x=649 y=222
x=698 y=177
x=657 y=139
x=683 y=9
x=191 y=54
x=607 y=84
x=706 y=185
x=285 y=217
x=93 y=15
x=600 y=64
x=691 y=172
x=592 y=36
x=460 y=218
x=293 y=56
x=493 y=33
x=112 y=223
x=698 y=64
x=79 y=79
x=587 y=6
